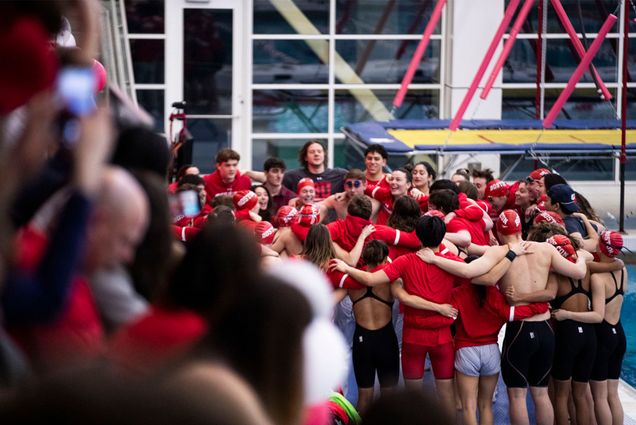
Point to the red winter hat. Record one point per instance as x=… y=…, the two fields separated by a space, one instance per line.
x=509 y=223
x=304 y=182
x=538 y=173
x=308 y=215
x=497 y=188
x=265 y=232
x=285 y=215
x=548 y=217
x=244 y=200
x=610 y=243
x=564 y=246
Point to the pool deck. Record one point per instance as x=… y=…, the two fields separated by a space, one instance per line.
x=627 y=395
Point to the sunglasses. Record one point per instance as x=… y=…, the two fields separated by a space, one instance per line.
x=355 y=184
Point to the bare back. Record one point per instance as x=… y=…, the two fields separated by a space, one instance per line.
x=578 y=302
x=613 y=307
x=529 y=273
x=370 y=313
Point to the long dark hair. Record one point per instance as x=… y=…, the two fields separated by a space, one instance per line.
x=406 y=212
x=260 y=337
x=265 y=214
x=318 y=246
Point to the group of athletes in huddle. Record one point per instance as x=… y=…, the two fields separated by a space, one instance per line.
x=463 y=258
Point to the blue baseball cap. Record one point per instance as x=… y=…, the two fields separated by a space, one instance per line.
x=564 y=196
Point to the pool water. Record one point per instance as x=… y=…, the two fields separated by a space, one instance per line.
x=628 y=318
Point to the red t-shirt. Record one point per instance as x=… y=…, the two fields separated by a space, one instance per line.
x=480 y=324
x=382 y=195
x=422 y=327
x=383 y=182
x=214 y=186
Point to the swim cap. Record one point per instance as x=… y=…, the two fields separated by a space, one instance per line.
x=564 y=246
x=308 y=215
x=610 y=243
x=497 y=188
x=548 y=217
x=304 y=182
x=509 y=223
x=265 y=232
x=285 y=215
x=244 y=200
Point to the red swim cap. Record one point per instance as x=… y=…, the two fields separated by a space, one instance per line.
x=610 y=243
x=265 y=232
x=564 y=246
x=509 y=223
x=244 y=200
x=308 y=215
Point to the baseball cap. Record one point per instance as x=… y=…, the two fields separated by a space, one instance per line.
x=285 y=215
x=304 y=182
x=610 y=243
x=497 y=188
x=264 y=232
x=538 y=173
x=565 y=197
x=548 y=217
x=308 y=215
x=509 y=223
x=564 y=246
x=244 y=200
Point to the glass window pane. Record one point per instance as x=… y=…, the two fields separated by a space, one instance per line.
x=290 y=61
x=589 y=17
x=386 y=61
x=289 y=111
x=531 y=22
x=152 y=102
x=521 y=65
x=562 y=61
x=148 y=61
x=574 y=167
x=583 y=104
x=287 y=150
x=144 y=16
x=383 y=17
x=630 y=168
x=207 y=61
x=631 y=59
x=353 y=105
x=269 y=20
x=210 y=136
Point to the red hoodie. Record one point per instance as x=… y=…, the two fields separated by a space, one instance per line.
x=214 y=186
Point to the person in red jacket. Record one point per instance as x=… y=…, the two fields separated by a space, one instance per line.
x=426 y=311
x=227 y=179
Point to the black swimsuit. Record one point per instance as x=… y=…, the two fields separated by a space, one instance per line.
x=611 y=341
x=375 y=351
x=558 y=301
x=370 y=294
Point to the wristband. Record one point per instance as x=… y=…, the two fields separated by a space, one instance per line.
x=511 y=255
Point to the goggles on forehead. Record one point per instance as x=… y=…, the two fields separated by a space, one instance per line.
x=356 y=184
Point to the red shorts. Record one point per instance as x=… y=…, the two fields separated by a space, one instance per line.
x=442 y=360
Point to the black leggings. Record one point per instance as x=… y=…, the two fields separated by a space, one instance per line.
x=376 y=351
x=610 y=352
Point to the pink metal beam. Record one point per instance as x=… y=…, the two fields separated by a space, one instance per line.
x=578 y=46
x=419 y=52
x=523 y=14
x=578 y=73
x=508 y=14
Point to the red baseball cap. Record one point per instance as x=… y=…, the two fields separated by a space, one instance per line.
x=264 y=232
x=244 y=200
x=564 y=246
x=610 y=243
x=509 y=223
x=497 y=188
x=308 y=215
x=285 y=215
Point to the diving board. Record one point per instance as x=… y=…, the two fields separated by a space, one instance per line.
x=511 y=136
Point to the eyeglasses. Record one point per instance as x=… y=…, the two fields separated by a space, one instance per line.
x=356 y=184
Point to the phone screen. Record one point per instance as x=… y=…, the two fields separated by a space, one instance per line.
x=189 y=203
x=76 y=87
